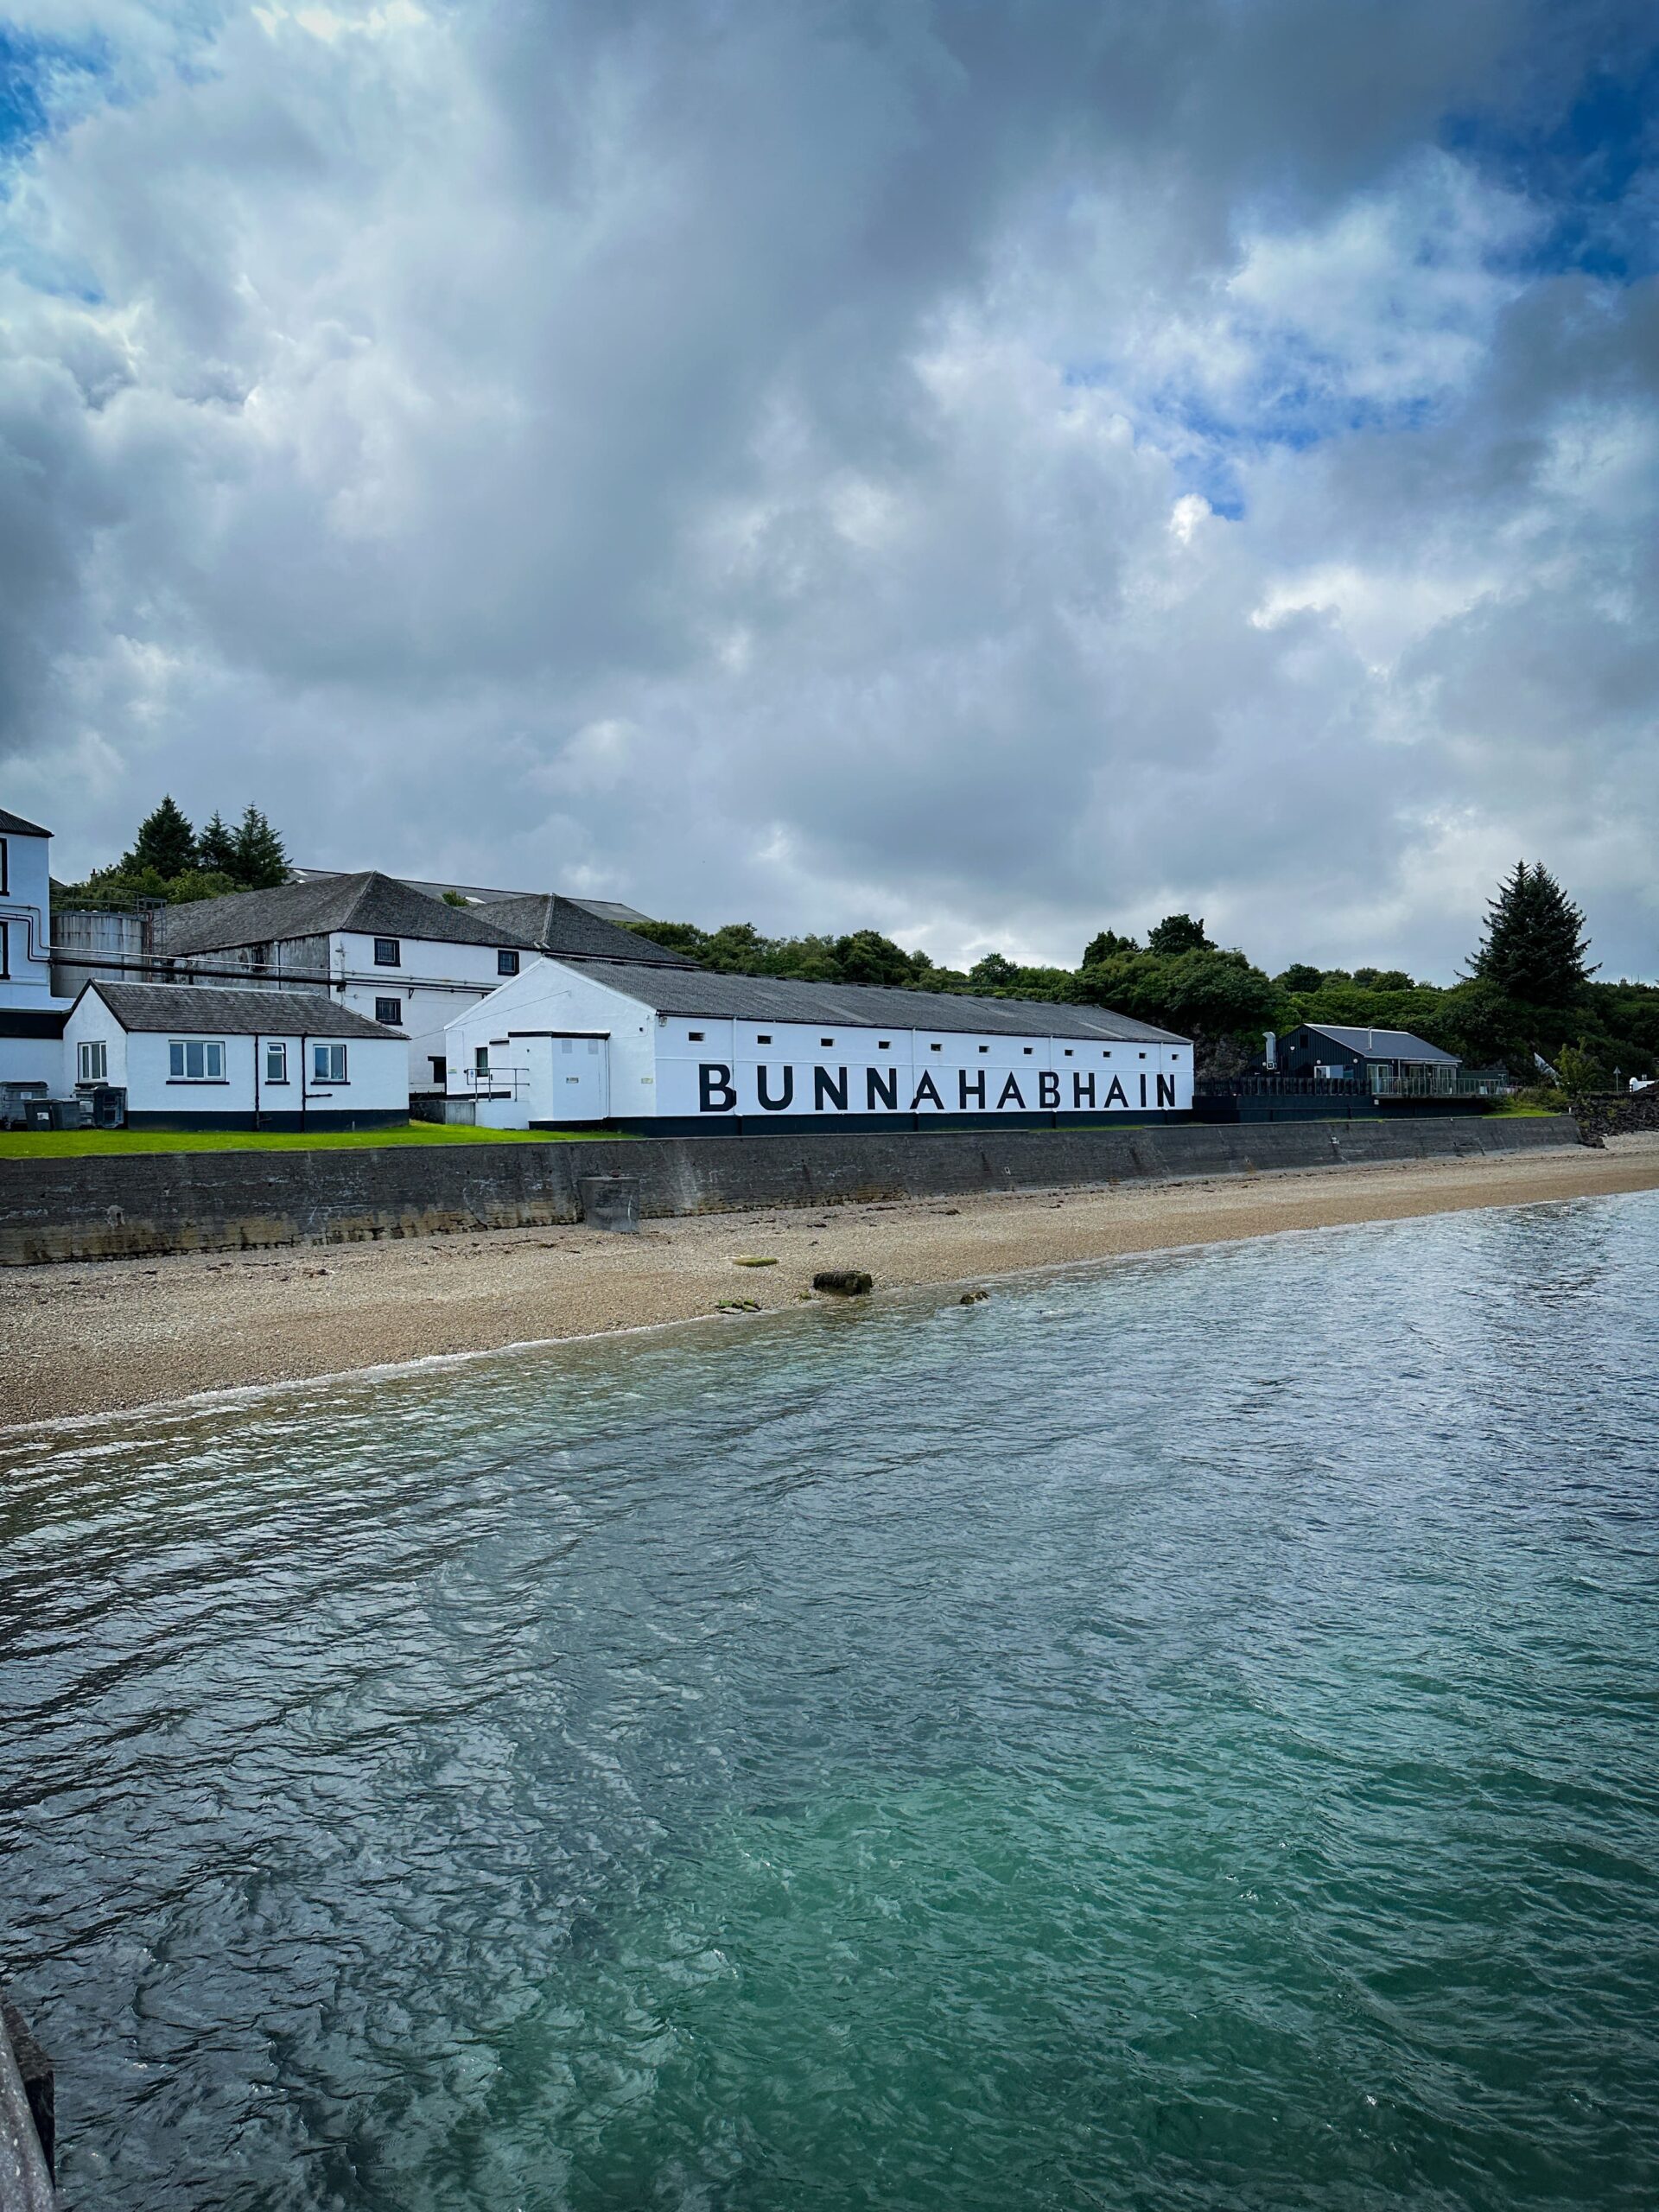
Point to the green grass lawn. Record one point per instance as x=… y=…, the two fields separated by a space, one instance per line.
x=61 y=1144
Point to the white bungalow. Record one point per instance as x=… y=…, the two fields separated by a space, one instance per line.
x=190 y=1056
x=677 y=1051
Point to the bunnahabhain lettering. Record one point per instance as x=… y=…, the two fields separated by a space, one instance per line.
x=783 y=1088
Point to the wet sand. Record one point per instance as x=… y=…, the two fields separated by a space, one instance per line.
x=102 y=1336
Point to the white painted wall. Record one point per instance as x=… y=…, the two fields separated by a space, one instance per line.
x=434 y=980
x=26 y=985
x=524 y=1027
x=33 y=1059
x=92 y=1020
x=26 y=913
x=786 y=1068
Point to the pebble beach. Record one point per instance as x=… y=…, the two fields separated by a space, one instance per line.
x=105 y=1337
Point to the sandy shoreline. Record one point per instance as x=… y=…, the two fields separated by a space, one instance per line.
x=101 y=1336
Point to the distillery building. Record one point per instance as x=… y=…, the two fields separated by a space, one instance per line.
x=680 y=1052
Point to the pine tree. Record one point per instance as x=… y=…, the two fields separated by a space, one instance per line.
x=1179 y=933
x=1107 y=945
x=1534 y=944
x=216 y=847
x=261 y=859
x=165 y=841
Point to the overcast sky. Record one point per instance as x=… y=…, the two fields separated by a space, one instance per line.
x=983 y=471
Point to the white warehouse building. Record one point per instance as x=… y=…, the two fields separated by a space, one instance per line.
x=681 y=1052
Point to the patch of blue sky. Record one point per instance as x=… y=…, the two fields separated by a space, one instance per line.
x=1210 y=444
x=45 y=84
x=1592 y=168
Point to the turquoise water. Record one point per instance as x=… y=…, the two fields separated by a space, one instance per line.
x=1181 y=1735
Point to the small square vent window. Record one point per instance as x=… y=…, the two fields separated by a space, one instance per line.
x=759 y=1040
x=694 y=1035
x=826 y=1040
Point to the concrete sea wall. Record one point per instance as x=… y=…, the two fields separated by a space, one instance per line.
x=111 y=1206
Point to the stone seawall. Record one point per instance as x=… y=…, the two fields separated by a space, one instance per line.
x=115 y=1206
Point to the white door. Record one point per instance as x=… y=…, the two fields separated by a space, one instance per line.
x=582 y=1084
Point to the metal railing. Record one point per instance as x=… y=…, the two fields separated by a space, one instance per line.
x=1278 y=1086
x=493 y=1083
x=1376 y=1081
x=1439 y=1083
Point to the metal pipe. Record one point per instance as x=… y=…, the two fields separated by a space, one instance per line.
x=37 y=949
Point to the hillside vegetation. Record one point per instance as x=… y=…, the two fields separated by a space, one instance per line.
x=1528 y=990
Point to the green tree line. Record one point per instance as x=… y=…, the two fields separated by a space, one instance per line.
x=1528 y=987
x=170 y=860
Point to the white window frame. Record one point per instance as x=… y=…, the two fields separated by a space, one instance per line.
x=211 y=1051
x=92 y=1060
x=275 y=1057
x=328 y=1063
x=481 y=1060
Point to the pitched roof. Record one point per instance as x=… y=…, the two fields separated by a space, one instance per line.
x=565 y=925
x=376 y=905
x=203 y=1010
x=13 y=825
x=481 y=894
x=858 y=1006
x=1383 y=1043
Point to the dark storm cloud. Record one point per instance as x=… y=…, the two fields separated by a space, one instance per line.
x=758 y=460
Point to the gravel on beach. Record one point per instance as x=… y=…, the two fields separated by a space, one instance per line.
x=95 y=1338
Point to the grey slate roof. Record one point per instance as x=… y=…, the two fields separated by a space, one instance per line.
x=562 y=926
x=376 y=905
x=202 y=1011
x=480 y=894
x=613 y=910
x=13 y=825
x=1383 y=1043
x=859 y=1005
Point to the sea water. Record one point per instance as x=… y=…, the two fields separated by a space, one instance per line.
x=1181 y=1734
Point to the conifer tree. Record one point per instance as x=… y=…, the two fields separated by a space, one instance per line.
x=1535 y=943
x=1106 y=945
x=261 y=859
x=165 y=842
x=216 y=847
x=1179 y=933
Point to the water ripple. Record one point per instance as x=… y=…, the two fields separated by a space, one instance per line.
x=1180 y=1735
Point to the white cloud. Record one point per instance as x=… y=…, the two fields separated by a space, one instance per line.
x=980 y=475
